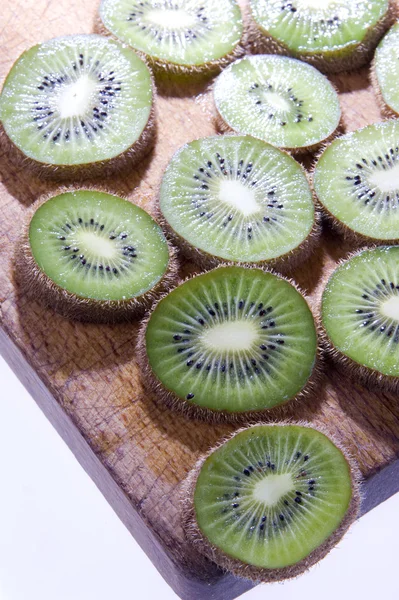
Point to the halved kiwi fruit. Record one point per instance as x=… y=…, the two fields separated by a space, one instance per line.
x=280 y=100
x=272 y=500
x=93 y=256
x=333 y=35
x=181 y=37
x=360 y=315
x=385 y=72
x=356 y=180
x=229 y=343
x=78 y=105
x=235 y=198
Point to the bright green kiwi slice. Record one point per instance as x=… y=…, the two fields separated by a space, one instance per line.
x=94 y=250
x=277 y=99
x=271 y=501
x=182 y=34
x=357 y=181
x=360 y=311
x=237 y=198
x=77 y=100
x=232 y=340
x=386 y=70
x=332 y=33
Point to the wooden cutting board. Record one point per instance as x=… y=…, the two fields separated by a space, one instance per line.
x=85 y=377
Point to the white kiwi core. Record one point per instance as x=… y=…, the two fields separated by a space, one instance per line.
x=76 y=98
x=386 y=180
x=272 y=488
x=230 y=335
x=278 y=102
x=97 y=244
x=171 y=19
x=318 y=4
x=239 y=196
x=390 y=308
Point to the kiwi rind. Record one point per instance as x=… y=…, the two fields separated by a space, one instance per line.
x=284 y=263
x=356 y=371
x=347 y=58
x=257 y=574
x=192 y=411
x=104 y=168
x=40 y=287
x=166 y=71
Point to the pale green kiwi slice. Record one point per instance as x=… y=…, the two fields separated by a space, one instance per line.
x=178 y=35
x=232 y=340
x=271 y=500
x=237 y=198
x=360 y=312
x=76 y=101
x=280 y=100
x=386 y=70
x=357 y=181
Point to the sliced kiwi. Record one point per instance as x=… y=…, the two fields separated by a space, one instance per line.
x=385 y=72
x=280 y=100
x=271 y=501
x=229 y=343
x=239 y=199
x=356 y=180
x=333 y=35
x=360 y=315
x=93 y=256
x=179 y=36
x=79 y=104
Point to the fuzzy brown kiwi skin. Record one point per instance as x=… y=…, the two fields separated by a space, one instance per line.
x=356 y=371
x=258 y=574
x=387 y=111
x=38 y=286
x=284 y=264
x=103 y=168
x=190 y=410
x=166 y=72
x=258 y=41
x=350 y=236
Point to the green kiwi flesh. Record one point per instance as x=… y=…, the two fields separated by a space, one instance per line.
x=229 y=342
x=77 y=102
x=93 y=255
x=182 y=36
x=238 y=199
x=385 y=71
x=356 y=180
x=360 y=314
x=331 y=35
x=280 y=100
x=271 y=501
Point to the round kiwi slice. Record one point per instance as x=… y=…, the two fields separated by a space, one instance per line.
x=239 y=199
x=356 y=180
x=183 y=36
x=229 y=343
x=283 y=101
x=360 y=315
x=333 y=35
x=385 y=72
x=94 y=256
x=79 y=104
x=271 y=501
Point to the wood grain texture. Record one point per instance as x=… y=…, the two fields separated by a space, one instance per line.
x=85 y=376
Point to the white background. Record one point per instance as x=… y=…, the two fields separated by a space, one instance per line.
x=60 y=540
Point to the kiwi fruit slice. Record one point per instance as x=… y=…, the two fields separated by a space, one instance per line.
x=238 y=199
x=385 y=72
x=280 y=100
x=78 y=105
x=229 y=343
x=360 y=315
x=93 y=256
x=180 y=37
x=271 y=501
x=333 y=35
x=356 y=180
